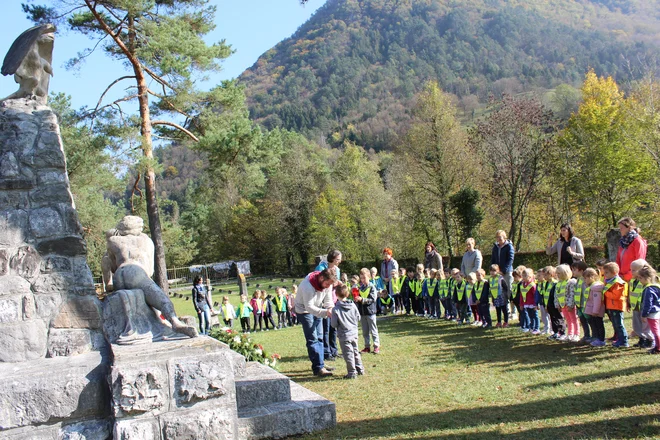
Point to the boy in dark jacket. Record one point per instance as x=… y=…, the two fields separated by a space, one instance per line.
x=345 y=317
x=366 y=303
x=406 y=287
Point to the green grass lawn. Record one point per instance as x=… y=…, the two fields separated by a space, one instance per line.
x=435 y=380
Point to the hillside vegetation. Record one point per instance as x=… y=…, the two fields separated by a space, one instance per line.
x=352 y=70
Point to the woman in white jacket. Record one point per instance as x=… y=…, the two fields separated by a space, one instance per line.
x=568 y=247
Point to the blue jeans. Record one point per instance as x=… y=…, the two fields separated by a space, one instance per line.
x=524 y=319
x=532 y=319
x=204 y=316
x=329 y=339
x=616 y=316
x=313 y=331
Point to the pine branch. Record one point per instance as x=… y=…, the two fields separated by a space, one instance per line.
x=178 y=127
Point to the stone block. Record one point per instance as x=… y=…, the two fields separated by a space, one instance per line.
x=49 y=391
x=47 y=304
x=78 y=312
x=137 y=429
x=14 y=285
x=87 y=430
x=22 y=341
x=44 y=432
x=52 y=193
x=14 y=199
x=71 y=342
x=17 y=183
x=25 y=262
x=13 y=224
x=70 y=217
x=201 y=378
x=49 y=177
x=5 y=255
x=211 y=424
x=59 y=282
x=261 y=385
x=139 y=389
x=46 y=222
x=10 y=309
x=56 y=264
x=48 y=153
x=9 y=166
x=70 y=246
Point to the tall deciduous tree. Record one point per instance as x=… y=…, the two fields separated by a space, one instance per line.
x=513 y=143
x=435 y=155
x=160 y=41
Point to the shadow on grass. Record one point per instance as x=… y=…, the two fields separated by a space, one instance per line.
x=569 y=406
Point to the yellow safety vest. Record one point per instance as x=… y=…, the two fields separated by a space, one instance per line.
x=460 y=290
x=365 y=293
x=560 y=293
x=396 y=285
x=635 y=288
x=549 y=285
x=579 y=297
x=225 y=312
x=494 y=286
x=430 y=285
x=416 y=287
x=479 y=287
x=524 y=290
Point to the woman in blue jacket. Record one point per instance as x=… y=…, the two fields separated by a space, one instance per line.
x=502 y=255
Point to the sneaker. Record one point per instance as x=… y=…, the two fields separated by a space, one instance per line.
x=376 y=350
x=536 y=332
x=598 y=343
x=365 y=350
x=361 y=373
x=329 y=368
x=498 y=325
x=562 y=338
x=525 y=330
x=553 y=336
x=612 y=339
x=350 y=376
x=323 y=372
x=621 y=345
x=505 y=325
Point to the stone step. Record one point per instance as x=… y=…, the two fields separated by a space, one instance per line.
x=261 y=385
x=306 y=412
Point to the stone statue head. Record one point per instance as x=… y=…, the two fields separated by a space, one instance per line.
x=130 y=225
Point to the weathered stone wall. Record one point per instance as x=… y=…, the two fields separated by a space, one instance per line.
x=48 y=306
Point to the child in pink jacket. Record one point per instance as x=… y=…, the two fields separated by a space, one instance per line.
x=595 y=307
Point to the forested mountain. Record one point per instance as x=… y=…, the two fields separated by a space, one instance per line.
x=352 y=70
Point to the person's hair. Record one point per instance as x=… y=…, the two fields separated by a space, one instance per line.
x=344 y=275
x=495 y=267
x=563 y=272
x=439 y=274
x=366 y=272
x=226 y=298
x=341 y=291
x=355 y=278
x=430 y=243
x=394 y=271
x=602 y=262
x=638 y=264
x=471 y=276
x=482 y=272
x=550 y=270
x=410 y=270
x=611 y=267
x=500 y=232
x=529 y=271
x=255 y=294
x=569 y=228
x=454 y=270
x=387 y=251
x=579 y=265
x=242 y=297
x=373 y=269
x=471 y=240
x=628 y=223
x=197 y=279
x=519 y=270
x=419 y=268
x=648 y=274
x=328 y=274
x=333 y=255
x=591 y=274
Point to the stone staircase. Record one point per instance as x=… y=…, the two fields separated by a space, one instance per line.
x=270 y=405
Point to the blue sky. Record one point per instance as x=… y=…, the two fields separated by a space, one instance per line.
x=250 y=26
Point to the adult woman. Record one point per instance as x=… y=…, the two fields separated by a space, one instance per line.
x=432 y=259
x=333 y=260
x=502 y=255
x=631 y=247
x=568 y=247
x=386 y=267
x=472 y=258
x=330 y=333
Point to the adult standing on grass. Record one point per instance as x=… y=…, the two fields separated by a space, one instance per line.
x=503 y=255
x=333 y=260
x=202 y=306
x=386 y=267
x=568 y=247
x=313 y=303
x=432 y=259
x=631 y=247
x=472 y=258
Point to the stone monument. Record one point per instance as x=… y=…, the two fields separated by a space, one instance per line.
x=75 y=367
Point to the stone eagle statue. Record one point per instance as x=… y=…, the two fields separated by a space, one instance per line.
x=30 y=60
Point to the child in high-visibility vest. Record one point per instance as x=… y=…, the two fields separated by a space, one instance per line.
x=595 y=306
x=439 y=290
x=483 y=299
x=281 y=304
x=376 y=279
x=496 y=290
x=407 y=288
x=366 y=303
x=244 y=311
x=431 y=284
x=461 y=292
x=528 y=301
x=395 y=282
x=267 y=307
x=556 y=318
x=578 y=268
x=452 y=289
x=565 y=301
x=651 y=303
x=417 y=287
x=635 y=289
x=385 y=303
x=517 y=299
x=291 y=306
x=227 y=312
x=541 y=295
x=473 y=301
x=616 y=292
x=445 y=293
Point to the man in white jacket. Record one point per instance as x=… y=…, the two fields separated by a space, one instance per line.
x=313 y=303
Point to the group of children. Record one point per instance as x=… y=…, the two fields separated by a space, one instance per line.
x=261 y=308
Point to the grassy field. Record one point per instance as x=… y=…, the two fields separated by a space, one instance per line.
x=435 y=380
